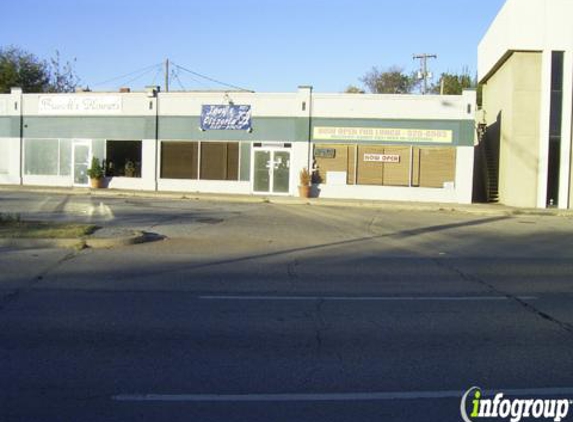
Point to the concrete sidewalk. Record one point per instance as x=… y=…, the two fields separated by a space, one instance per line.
x=479 y=209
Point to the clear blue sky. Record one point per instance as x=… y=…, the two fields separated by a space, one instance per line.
x=265 y=45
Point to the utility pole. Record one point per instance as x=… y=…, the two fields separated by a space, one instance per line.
x=423 y=73
x=166 y=75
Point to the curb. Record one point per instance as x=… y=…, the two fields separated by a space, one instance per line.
x=476 y=209
x=80 y=243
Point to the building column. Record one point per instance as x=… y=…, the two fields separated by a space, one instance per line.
x=545 y=107
x=565 y=173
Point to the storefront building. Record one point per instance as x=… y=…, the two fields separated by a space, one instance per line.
x=526 y=66
x=392 y=147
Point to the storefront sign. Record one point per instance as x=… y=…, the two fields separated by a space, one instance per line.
x=382 y=158
x=226 y=117
x=324 y=152
x=79 y=104
x=383 y=134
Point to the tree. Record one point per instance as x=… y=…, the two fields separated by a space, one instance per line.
x=19 y=68
x=391 y=81
x=63 y=78
x=453 y=84
x=352 y=89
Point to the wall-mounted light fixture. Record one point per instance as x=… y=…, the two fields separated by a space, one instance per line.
x=228 y=99
x=152 y=91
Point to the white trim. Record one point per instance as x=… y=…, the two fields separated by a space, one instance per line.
x=567 y=116
x=544 y=110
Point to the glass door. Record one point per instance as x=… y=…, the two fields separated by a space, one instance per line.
x=281 y=171
x=271 y=172
x=82 y=155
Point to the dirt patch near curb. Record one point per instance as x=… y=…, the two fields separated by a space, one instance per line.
x=13 y=228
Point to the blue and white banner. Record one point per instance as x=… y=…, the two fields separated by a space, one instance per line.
x=226 y=117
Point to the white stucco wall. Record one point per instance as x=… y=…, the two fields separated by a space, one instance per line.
x=541 y=26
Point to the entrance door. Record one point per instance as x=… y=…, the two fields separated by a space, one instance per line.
x=271 y=171
x=82 y=155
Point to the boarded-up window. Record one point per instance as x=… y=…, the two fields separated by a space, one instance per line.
x=388 y=165
x=219 y=161
x=179 y=160
x=383 y=165
x=432 y=167
x=341 y=160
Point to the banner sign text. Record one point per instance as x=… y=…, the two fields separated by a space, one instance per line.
x=226 y=117
x=79 y=104
x=382 y=134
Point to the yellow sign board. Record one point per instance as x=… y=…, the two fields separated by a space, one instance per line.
x=324 y=133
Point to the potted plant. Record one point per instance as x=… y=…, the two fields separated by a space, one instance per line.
x=96 y=173
x=305 y=179
x=130 y=170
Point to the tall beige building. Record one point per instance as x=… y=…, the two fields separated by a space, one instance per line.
x=526 y=66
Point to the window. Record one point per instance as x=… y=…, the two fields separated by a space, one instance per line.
x=123 y=158
x=555 y=122
x=383 y=165
x=387 y=165
x=200 y=160
x=219 y=161
x=179 y=160
x=432 y=167
x=47 y=157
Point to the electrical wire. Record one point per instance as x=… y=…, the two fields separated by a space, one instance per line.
x=144 y=70
x=211 y=79
x=197 y=81
x=159 y=69
x=175 y=75
x=137 y=77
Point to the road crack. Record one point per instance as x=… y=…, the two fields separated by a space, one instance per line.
x=521 y=302
x=15 y=295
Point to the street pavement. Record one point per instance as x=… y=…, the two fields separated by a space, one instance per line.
x=269 y=312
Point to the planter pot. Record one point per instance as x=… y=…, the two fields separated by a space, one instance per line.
x=304 y=191
x=97 y=183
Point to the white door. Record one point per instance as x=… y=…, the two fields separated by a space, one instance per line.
x=271 y=172
x=82 y=155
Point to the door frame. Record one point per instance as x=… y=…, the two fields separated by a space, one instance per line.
x=80 y=142
x=272 y=148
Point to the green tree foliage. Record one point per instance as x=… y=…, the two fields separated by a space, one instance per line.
x=19 y=68
x=352 y=89
x=391 y=81
x=453 y=84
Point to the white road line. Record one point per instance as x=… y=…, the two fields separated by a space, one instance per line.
x=368 y=298
x=317 y=397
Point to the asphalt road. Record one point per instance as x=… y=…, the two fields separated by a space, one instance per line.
x=261 y=312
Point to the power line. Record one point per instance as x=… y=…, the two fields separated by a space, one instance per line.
x=159 y=69
x=175 y=75
x=144 y=70
x=137 y=77
x=211 y=79
x=196 y=80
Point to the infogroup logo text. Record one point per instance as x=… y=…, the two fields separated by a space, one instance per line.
x=513 y=409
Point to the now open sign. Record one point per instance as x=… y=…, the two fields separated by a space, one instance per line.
x=382 y=158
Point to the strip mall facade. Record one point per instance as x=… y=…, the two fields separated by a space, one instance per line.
x=390 y=147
